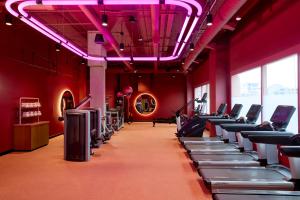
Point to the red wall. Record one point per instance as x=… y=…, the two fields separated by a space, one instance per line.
x=170 y=92
x=214 y=71
x=30 y=67
x=200 y=75
x=274 y=34
x=269 y=35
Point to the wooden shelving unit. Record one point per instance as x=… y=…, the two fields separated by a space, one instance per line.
x=30 y=133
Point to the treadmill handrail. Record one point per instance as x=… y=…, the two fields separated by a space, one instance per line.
x=83 y=102
x=290 y=151
x=245 y=134
x=280 y=139
x=222 y=120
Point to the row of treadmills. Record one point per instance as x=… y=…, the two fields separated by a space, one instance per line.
x=242 y=161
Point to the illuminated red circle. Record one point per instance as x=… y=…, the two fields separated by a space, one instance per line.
x=145 y=115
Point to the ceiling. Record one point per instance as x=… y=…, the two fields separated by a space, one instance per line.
x=73 y=23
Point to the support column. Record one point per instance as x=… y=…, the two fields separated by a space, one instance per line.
x=189 y=95
x=219 y=78
x=97 y=73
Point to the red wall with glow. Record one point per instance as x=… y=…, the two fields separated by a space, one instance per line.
x=170 y=92
x=30 y=67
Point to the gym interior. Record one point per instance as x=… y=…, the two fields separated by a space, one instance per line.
x=149 y=99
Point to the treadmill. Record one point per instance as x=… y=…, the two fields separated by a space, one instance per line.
x=250 y=120
x=234 y=113
x=280 y=120
x=271 y=177
x=293 y=152
x=193 y=124
x=252 y=117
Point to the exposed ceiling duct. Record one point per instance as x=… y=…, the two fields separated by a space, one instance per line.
x=224 y=14
x=108 y=36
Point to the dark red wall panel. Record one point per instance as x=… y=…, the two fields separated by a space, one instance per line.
x=272 y=34
x=200 y=75
x=30 y=67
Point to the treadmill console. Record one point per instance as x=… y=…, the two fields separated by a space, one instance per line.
x=204 y=98
x=235 y=112
x=253 y=113
x=222 y=108
x=282 y=116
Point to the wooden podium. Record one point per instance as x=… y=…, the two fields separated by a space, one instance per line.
x=31 y=136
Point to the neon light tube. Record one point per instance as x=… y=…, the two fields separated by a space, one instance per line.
x=181 y=34
x=131 y=2
x=34 y=23
x=94 y=58
x=168 y=58
x=47 y=29
x=70 y=2
x=196 y=4
x=23 y=5
x=191 y=29
x=39 y=29
x=73 y=50
x=179 y=3
x=76 y=49
x=118 y=58
x=145 y=58
x=175 y=49
x=8 y=5
x=181 y=49
x=183 y=28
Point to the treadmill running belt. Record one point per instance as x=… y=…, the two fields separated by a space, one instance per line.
x=241 y=174
x=254 y=197
x=221 y=157
x=211 y=147
x=183 y=139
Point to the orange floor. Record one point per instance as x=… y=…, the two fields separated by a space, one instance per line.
x=138 y=163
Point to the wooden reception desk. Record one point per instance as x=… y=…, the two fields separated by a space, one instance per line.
x=31 y=136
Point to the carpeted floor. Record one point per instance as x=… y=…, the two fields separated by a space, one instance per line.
x=139 y=163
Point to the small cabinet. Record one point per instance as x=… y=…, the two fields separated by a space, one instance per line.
x=31 y=136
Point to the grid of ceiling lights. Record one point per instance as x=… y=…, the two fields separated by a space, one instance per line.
x=36 y=24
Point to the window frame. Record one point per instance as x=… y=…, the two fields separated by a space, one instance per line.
x=262 y=65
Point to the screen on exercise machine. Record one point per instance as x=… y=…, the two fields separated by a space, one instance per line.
x=282 y=114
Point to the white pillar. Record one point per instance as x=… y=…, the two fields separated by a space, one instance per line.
x=97 y=87
x=97 y=73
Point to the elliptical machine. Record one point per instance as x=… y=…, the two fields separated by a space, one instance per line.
x=182 y=119
x=82 y=131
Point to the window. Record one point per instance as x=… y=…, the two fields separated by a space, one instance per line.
x=246 y=89
x=198 y=93
x=279 y=81
x=280 y=87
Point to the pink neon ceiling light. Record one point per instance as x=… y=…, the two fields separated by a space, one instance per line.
x=34 y=23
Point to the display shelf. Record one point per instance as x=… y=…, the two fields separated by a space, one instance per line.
x=29 y=109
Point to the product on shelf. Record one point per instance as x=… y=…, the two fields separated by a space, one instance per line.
x=29 y=109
